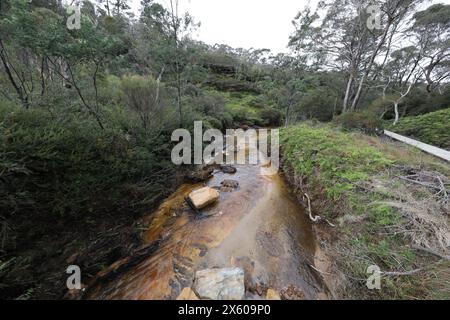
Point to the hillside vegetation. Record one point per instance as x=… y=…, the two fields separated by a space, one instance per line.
x=87 y=111
x=382 y=198
x=432 y=128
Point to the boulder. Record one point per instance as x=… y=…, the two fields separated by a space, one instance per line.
x=187 y=294
x=220 y=284
x=203 y=197
x=228 y=169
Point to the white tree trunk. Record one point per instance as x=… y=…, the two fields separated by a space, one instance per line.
x=397 y=115
x=347 y=94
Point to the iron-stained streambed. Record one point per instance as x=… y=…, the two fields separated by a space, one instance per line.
x=259 y=227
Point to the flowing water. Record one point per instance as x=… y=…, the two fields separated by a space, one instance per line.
x=259 y=227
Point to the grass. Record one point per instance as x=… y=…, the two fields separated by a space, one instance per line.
x=432 y=128
x=352 y=181
x=337 y=158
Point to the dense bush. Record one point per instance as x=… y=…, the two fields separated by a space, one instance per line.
x=65 y=166
x=241 y=116
x=270 y=117
x=209 y=104
x=259 y=101
x=364 y=121
x=147 y=98
x=432 y=128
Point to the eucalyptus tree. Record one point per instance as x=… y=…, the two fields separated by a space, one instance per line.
x=163 y=43
x=431 y=32
x=340 y=35
x=106 y=5
x=37 y=49
x=401 y=74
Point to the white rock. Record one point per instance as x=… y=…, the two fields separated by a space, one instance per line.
x=203 y=197
x=220 y=284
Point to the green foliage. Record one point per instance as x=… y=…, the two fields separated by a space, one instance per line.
x=366 y=121
x=332 y=159
x=258 y=101
x=148 y=99
x=334 y=167
x=384 y=215
x=432 y=128
x=270 y=117
x=60 y=166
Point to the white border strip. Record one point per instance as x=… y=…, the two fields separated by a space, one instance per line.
x=438 y=152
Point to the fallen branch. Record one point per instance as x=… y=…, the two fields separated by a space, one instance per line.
x=442 y=187
x=316 y=218
x=424 y=184
x=407 y=273
x=430 y=251
x=313 y=219
x=320 y=271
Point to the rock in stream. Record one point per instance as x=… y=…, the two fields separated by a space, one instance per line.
x=220 y=284
x=228 y=185
x=203 y=197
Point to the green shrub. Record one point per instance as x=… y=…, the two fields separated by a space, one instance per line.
x=210 y=104
x=258 y=102
x=212 y=123
x=227 y=120
x=432 y=128
x=270 y=117
x=54 y=166
x=146 y=98
x=242 y=116
x=364 y=121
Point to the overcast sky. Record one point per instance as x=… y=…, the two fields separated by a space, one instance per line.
x=245 y=23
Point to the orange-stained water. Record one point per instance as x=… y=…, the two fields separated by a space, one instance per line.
x=259 y=227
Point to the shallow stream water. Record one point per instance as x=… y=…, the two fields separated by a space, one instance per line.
x=259 y=227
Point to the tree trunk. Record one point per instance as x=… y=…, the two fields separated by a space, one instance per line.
x=20 y=89
x=347 y=93
x=397 y=115
x=370 y=65
x=287 y=114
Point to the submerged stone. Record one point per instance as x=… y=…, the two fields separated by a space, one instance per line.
x=228 y=169
x=228 y=185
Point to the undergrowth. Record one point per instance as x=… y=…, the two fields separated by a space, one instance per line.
x=432 y=128
x=352 y=179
